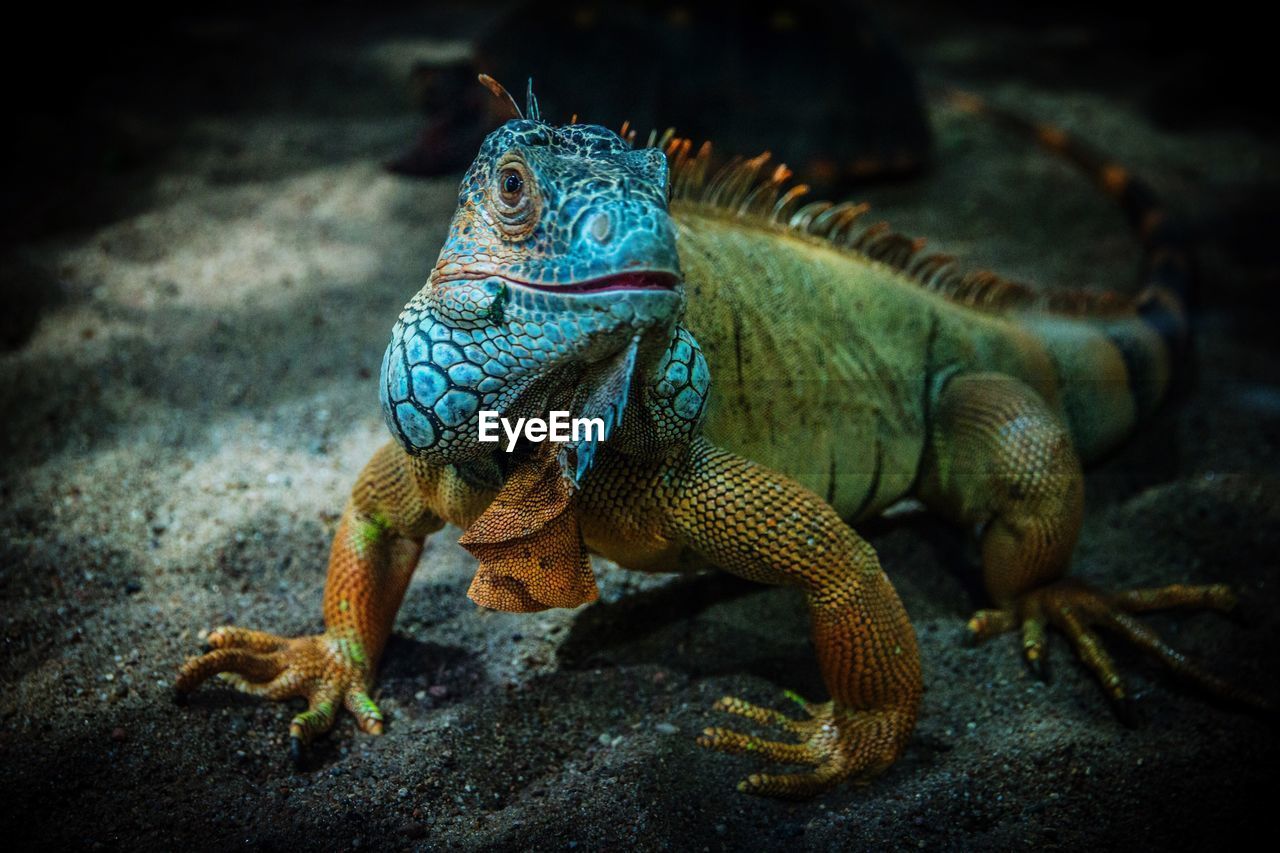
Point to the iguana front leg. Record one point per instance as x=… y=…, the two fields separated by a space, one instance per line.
x=760 y=525
x=395 y=504
x=1001 y=460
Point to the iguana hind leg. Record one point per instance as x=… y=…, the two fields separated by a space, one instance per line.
x=394 y=505
x=765 y=527
x=1001 y=460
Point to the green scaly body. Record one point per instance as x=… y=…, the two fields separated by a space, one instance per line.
x=825 y=363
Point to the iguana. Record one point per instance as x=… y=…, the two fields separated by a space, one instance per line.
x=768 y=372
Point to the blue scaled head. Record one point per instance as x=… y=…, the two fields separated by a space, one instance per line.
x=559 y=270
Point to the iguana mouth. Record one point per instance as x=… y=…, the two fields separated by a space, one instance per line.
x=628 y=281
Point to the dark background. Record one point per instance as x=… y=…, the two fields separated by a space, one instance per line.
x=200 y=258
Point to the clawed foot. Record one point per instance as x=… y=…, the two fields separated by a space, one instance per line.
x=1076 y=609
x=327 y=671
x=838 y=742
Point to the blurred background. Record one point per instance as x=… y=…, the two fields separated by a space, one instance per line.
x=208 y=223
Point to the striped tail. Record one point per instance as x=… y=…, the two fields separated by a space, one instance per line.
x=1168 y=273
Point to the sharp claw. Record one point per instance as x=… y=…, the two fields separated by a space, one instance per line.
x=279 y=668
x=789 y=786
x=1076 y=610
x=1222 y=598
x=761 y=715
x=985 y=624
x=368 y=715
x=837 y=743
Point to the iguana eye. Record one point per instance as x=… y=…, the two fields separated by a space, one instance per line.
x=515 y=198
x=512 y=184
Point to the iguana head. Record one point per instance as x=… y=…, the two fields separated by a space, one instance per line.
x=571 y=209
x=558 y=276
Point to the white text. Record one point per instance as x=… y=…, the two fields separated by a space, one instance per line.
x=557 y=427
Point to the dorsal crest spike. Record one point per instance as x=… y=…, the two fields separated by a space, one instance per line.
x=781 y=208
x=802 y=219
x=499 y=91
x=762 y=194
x=531 y=110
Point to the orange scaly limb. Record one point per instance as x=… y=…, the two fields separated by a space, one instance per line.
x=375 y=550
x=529 y=544
x=999 y=458
x=719 y=508
x=758 y=524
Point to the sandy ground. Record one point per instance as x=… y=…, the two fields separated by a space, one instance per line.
x=187 y=393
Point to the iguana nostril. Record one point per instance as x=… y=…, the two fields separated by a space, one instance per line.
x=600 y=227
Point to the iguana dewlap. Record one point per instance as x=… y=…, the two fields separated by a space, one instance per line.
x=768 y=372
